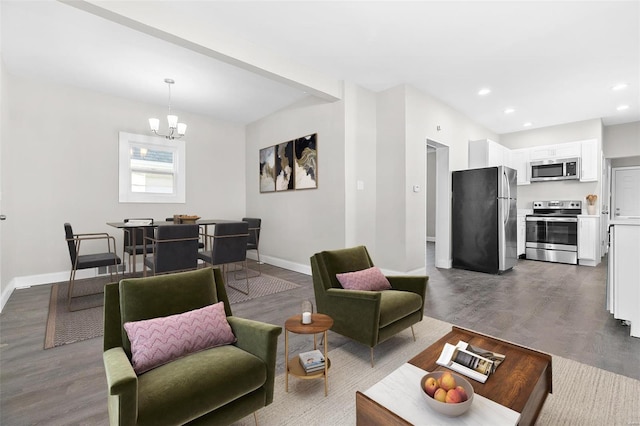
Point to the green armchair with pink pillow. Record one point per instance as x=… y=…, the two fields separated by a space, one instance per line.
x=174 y=354
x=365 y=305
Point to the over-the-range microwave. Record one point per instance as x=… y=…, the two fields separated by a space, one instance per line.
x=555 y=169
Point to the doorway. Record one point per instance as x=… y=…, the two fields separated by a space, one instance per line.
x=625 y=203
x=438 y=206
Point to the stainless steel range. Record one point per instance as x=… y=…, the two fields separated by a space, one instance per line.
x=552 y=231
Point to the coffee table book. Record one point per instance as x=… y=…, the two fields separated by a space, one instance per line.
x=400 y=393
x=312 y=360
x=456 y=356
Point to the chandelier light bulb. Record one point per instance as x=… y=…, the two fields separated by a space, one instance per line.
x=154 y=123
x=172 y=120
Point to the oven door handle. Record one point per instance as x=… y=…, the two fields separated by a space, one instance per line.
x=551 y=219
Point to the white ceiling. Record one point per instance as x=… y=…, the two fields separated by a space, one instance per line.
x=553 y=62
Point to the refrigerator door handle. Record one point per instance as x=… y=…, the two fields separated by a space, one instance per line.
x=506 y=182
x=506 y=209
x=505 y=201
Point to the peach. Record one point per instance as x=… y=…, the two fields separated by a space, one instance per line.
x=453 y=397
x=430 y=386
x=447 y=381
x=462 y=392
x=440 y=395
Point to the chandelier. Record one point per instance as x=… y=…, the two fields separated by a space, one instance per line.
x=174 y=126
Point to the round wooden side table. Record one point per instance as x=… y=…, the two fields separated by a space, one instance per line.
x=320 y=323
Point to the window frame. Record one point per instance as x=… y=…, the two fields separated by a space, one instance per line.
x=178 y=147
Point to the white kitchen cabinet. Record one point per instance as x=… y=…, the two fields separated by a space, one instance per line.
x=520 y=162
x=588 y=240
x=562 y=150
x=589 y=160
x=623 y=285
x=522 y=234
x=487 y=153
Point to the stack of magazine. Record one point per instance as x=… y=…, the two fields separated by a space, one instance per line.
x=312 y=361
x=473 y=362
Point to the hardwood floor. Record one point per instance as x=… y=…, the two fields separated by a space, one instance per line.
x=551 y=307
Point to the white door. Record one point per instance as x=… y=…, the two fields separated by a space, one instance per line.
x=626 y=187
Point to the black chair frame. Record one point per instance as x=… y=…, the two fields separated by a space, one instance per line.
x=207 y=257
x=254 y=241
x=107 y=259
x=135 y=242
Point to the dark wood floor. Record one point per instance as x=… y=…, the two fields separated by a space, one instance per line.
x=552 y=307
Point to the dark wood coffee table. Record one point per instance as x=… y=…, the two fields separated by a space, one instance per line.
x=521 y=383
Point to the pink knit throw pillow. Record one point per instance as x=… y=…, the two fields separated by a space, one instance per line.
x=158 y=341
x=368 y=279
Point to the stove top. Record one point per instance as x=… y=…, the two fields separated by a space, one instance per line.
x=553 y=215
x=557 y=208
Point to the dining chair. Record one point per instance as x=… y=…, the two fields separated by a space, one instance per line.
x=201 y=244
x=254 y=237
x=229 y=246
x=134 y=241
x=175 y=248
x=107 y=259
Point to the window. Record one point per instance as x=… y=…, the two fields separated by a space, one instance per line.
x=152 y=169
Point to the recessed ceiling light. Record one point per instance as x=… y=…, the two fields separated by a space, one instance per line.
x=620 y=86
x=484 y=91
x=622 y=107
x=509 y=111
x=528 y=124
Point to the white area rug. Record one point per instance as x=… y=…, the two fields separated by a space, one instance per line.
x=582 y=395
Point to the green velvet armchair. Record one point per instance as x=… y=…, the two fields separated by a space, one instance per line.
x=218 y=386
x=368 y=317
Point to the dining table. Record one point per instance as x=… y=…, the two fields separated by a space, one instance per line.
x=146 y=225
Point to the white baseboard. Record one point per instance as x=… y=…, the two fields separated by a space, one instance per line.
x=286 y=264
x=54 y=277
x=42 y=279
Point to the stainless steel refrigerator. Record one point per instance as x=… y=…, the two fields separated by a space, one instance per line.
x=484 y=219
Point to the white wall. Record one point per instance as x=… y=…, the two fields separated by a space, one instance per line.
x=622 y=140
x=625 y=161
x=406 y=118
x=559 y=190
x=360 y=167
x=391 y=223
x=4 y=295
x=424 y=116
x=297 y=224
x=60 y=164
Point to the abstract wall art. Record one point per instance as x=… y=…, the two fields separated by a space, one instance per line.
x=267 y=169
x=306 y=162
x=284 y=166
x=290 y=165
